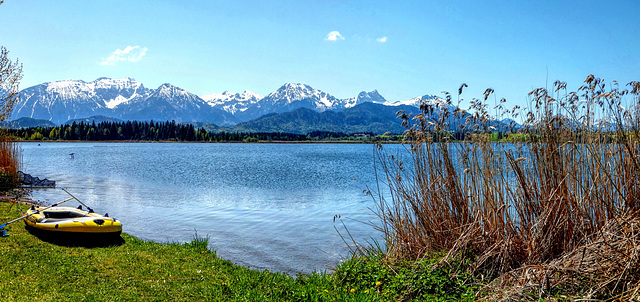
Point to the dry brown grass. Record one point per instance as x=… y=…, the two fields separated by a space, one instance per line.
x=10 y=158
x=557 y=208
x=606 y=265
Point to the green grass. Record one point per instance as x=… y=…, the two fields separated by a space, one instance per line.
x=424 y=280
x=138 y=270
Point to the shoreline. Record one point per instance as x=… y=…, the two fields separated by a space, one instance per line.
x=213 y=142
x=19 y=197
x=138 y=270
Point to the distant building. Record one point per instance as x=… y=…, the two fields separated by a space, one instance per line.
x=361 y=135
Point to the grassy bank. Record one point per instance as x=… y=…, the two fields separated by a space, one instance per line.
x=33 y=269
x=36 y=270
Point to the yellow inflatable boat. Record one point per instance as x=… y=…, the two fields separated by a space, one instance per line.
x=69 y=220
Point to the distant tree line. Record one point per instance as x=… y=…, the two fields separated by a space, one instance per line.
x=144 y=131
x=172 y=131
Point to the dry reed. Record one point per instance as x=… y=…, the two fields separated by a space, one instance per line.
x=557 y=205
x=10 y=158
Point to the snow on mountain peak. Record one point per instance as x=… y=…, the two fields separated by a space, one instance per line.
x=232 y=102
x=170 y=91
x=120 y=83
x=168 y=88
x=117 y=96
x=427 y=98
x=292 y=92
x=61 y=85
x=69 y=86
x=295 y=86
x=363 y=97
x=251 y=95
x=112 y=103
x=217 y=98
x=69 y=89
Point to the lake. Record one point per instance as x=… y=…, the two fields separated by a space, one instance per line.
x=264 y=206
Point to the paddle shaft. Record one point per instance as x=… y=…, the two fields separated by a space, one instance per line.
x=78 y=200
x=36 y=212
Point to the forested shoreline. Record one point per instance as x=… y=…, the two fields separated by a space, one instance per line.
x=165 y=131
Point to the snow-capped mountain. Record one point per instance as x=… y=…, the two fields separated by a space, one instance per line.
x=61 y=101
x=427 y=98
x=169 y=102
x=232 y=102
x=292 y=96
x=127 y=99
x=248 y=105
x=363 y=97
x=118 y=92
x=287 y=98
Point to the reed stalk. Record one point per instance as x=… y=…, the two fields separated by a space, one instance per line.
x=558 y=199
x=10 y=159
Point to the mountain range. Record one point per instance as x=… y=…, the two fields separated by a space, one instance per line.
x=124 y=99
x=292 y=108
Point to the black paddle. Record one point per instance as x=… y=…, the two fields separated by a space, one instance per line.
x=3 y=233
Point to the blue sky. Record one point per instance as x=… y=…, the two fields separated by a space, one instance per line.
x=402 y=49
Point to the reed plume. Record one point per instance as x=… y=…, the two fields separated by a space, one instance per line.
x=556 y=201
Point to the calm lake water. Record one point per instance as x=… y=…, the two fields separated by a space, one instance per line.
x=264 y=206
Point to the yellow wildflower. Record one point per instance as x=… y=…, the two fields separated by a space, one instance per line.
x=353 y=290
x=378 y=283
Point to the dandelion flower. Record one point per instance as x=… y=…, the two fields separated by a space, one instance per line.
x=378 y=283
x=353 y=290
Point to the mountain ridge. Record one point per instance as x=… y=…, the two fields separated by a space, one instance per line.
x=126 y=98
x=290 y=104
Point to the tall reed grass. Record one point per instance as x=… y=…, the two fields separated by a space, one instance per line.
x=10 y=159
x=555 y=207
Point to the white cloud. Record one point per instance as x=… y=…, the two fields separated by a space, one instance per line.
x=334 y=36
x=382 y=39
x=129 y=54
